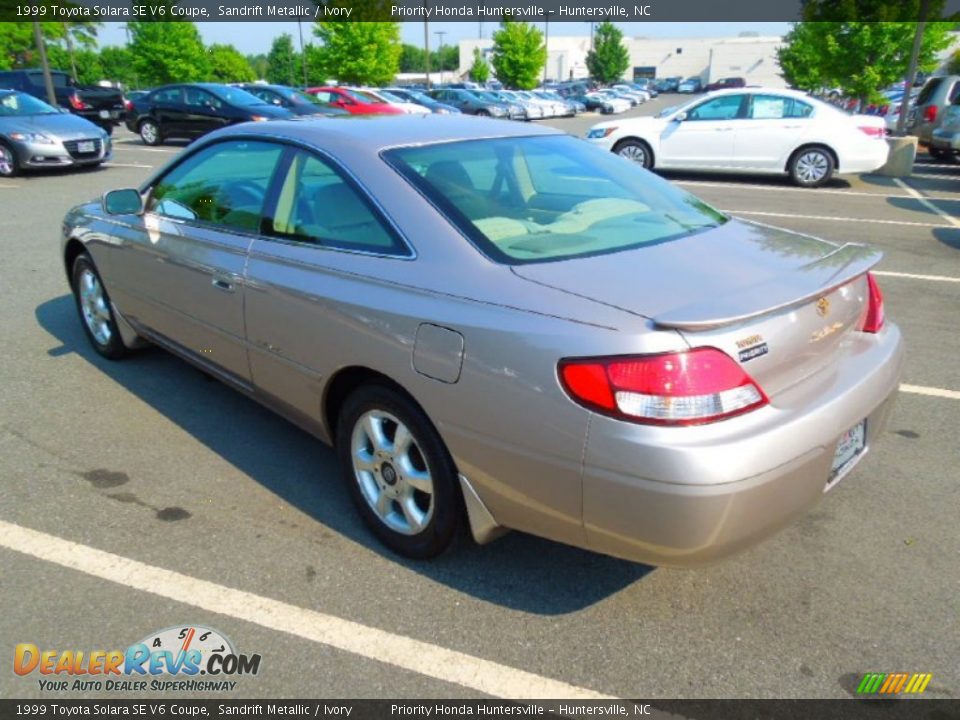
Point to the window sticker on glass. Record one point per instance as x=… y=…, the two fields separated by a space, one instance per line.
x=768 y=108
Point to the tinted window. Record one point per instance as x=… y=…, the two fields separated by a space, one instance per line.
x=531 y=199
x=776 y=107
x=325 y=97
x=316 y=204
x=726 y=107
x=223 y=184
x=170 y=95
x=197 y=98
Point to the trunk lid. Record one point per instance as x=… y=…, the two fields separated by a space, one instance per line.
x=780 y=303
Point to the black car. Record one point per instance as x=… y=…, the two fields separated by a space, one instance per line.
x=296 y=101
x=189 y=111
x=103 y=106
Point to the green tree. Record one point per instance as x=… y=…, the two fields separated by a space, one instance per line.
x=446 y=58
x=282 y=61
x=228 y=65
x=259 y=64
x=479 y=71
x=16 y=44
x=359 y=52
x=165 y=52
x=519 y=54
x=609 y=58
x=117 y=66
x=412 y=59
x=861 y=58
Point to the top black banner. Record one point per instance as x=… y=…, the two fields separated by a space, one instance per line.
x=475 y=10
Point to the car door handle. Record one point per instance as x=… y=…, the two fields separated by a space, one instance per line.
x=222 y=283
x=726 y=129
x=792 y=127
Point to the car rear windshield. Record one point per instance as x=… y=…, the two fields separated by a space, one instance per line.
x=537 y=199
x=926 y=94
x=234 y=96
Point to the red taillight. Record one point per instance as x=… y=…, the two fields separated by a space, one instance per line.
x=930 y=113
x=128 y=105
x=874 y=317
x=685 y=388
x=872 y=131
x=76 y=103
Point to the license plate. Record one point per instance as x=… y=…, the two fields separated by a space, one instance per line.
x=86 y=146
x=849 y=450
x=105 y=114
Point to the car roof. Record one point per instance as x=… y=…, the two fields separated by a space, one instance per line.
x=755 y=90
x=372 y=134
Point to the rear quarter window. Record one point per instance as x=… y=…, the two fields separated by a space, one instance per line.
x=928 y=90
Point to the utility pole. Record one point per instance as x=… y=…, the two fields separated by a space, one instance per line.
x=303 y=54
x=73 y=60
x=441 y=33
x=426 y=49
x=912 y=68
x=42 y=49
x=546 y=45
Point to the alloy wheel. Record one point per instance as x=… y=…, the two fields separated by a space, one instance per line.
x=148 y=132
x=636 y=153
x=812 y=166
x=391 y=472
x=7 y=162
x=93 y=305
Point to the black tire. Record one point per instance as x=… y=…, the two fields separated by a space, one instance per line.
x=938 y=154
x=483 y=113
x=445 y=503
x=635 y=150
x=811 y=167
x=150 y=137
x=109 y=344
x=9 y=166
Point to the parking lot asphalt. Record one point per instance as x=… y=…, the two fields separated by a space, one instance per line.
x=141 y=495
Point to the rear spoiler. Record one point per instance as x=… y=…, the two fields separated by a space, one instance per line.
x=795 y=287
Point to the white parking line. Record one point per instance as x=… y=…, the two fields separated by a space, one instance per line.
x=926 y=203
x=420 y=657
x=126 y=165
x=912 y=276
x=833 y=218
x=934 y=176
x=811 y=193
x=931 y=392
x=145 y=149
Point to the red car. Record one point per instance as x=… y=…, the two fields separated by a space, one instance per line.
x=353 y=101
x=724 y=83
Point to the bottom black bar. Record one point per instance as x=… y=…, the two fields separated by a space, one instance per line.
x=913 y=709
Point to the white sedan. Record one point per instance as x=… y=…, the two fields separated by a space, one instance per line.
x=751 y=130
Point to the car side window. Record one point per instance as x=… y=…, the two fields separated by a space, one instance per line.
x=224 y=185
x=317 y=204
x=197 y=98
x=725 y=107
x=954 y=92
x=777 y=107
x=171 y=95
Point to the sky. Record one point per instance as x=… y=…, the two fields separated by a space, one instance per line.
x=252 y=38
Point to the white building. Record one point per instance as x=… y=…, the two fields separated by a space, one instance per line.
x=750 y=56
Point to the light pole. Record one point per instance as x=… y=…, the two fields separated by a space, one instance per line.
x=47 y=78
x=441 y=33
x=426 y=49
x=303 y=55
x=546 y=45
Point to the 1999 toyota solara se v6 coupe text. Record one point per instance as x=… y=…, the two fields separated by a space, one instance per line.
x=502 y=325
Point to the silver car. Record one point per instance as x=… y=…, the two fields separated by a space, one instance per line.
x=35 y=135
x=498 y=325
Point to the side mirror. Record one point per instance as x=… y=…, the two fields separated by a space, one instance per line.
x=680 y=117
x=122 y=202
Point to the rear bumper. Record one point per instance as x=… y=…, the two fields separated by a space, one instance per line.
x=869 y=156
x=945 y=140
x=688 y=496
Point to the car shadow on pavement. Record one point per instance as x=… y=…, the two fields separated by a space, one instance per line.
x=835 y=183
x=518 y=571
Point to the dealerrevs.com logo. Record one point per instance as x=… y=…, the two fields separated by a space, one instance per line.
x=191 y=658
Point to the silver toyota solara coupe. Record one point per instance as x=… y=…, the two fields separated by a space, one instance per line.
x=499 y=325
